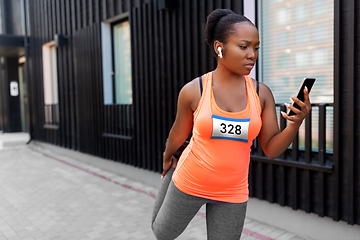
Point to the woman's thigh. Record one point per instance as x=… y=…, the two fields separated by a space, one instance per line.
x=175 y=213
x=225 y=220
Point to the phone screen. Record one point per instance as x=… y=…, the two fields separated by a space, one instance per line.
x=308 y=82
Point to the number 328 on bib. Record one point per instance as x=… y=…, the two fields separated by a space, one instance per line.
x=230 y=128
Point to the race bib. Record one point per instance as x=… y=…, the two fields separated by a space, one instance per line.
x=230 y=128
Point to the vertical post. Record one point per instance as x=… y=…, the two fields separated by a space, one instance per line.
x=26 y=45
x=335 y=190
x=308 y=140
x=294 y=173
x=350 y=42
x=322 y=134
x=308 y=149
x=282 y=127
x=322 y=156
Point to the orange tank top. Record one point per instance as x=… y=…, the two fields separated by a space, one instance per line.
x=215 y=164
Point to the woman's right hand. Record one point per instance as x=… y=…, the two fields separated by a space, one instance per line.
x=167 y=164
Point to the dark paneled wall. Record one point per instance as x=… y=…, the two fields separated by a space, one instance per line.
x=10 y=116
x=4 y=99
x=14 y=114
x=168 y=50
x=12 y=17
x=348 y=117
x=11 y=24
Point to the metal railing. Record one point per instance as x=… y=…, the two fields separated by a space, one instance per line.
x=52 y=114
x=312 y=148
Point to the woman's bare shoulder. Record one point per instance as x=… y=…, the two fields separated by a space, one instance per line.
x=265 y=93
x=190 y=93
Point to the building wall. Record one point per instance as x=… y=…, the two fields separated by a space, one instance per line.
x=175 y=54
x=14 y=114
x=10 y=115
x=11 y=23
x=4 y=103
x=168 y=50
x=12 y=17
x=348 y=89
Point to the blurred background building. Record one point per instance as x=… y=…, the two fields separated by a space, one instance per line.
x=102 y=77
x=13 y=87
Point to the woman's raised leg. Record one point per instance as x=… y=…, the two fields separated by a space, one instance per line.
x=173 y=210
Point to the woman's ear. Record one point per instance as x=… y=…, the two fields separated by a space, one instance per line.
x=218 y=48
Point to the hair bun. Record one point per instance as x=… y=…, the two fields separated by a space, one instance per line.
x=211 y=22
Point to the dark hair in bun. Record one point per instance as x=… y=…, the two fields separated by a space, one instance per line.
x=220 y=24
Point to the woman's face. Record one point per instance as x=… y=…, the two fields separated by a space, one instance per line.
x=241 y=50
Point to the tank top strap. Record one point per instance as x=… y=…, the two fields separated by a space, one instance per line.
x=205 y=94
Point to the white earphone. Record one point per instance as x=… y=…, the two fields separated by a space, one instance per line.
x=220 y=53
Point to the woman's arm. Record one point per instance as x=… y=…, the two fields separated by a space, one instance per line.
x=183 y=122
x=274 y=142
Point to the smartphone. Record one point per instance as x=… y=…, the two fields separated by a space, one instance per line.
x=307 y=82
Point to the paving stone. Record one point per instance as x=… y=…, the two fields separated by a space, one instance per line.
x=267 y=231
x=247 y=237
x=286 y=236
x=277 y=233
x=297 y=238
x=258 y=227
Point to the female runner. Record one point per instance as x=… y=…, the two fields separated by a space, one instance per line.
x=225 y=116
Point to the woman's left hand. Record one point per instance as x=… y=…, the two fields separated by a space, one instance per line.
x=299 y=114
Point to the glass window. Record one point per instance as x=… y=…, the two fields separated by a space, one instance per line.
x=122 y=63
x=283 y=16
x=54 y=76
x=117 y=74
x=301 y=11
x=301 y=36
x=301 y=59
x=321 y=8
x=283 y=60
x=319 y=32
x=305 y=51
x=319 y=57
x=50 y=74
x=284 y=38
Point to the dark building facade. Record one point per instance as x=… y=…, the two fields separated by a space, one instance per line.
x=13 y=87
x=76 y=99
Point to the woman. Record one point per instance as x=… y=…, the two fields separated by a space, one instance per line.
x=225 y=117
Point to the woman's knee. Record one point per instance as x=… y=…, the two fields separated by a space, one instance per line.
x=161 y=233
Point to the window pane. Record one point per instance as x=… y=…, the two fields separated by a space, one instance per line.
x=301 y=60
x=283 y=60
x=284 y=38
x=54 y=74
x=301 y=36
x=319 y=32
x=51 y=95
x=122 y=60
x=301 y=12
x=321 y=8
x=297 y=42
x=283 y=16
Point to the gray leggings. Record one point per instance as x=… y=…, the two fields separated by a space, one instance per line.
x=174 y=210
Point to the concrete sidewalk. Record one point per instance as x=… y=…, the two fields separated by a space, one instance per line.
x=48 y=192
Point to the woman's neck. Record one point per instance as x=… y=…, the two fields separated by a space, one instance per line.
x=222 y=75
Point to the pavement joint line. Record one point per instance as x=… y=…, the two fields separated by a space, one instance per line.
x=96 y=174
x=256 y=235
x=245 y=231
